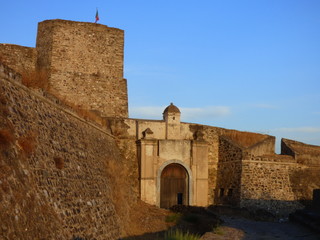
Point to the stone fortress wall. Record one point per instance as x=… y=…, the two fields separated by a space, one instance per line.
x=266 y=183
x=275 y=183
x=65 y=170
x=243 y=169
x=21 y=59
x=83 y=63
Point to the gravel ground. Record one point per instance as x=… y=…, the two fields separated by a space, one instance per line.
x=237 y=228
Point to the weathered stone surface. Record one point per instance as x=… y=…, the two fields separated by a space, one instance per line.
x=21 y=59
x=67 y=169
x=83 y=65
x=82 y=62
x=85 y=62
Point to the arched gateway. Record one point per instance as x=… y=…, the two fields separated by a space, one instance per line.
x=173 y=162
x=174 y=186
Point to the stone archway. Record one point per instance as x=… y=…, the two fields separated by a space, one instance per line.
x=190 y=182
x=174 y=186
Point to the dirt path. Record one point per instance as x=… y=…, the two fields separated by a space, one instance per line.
x=245 y=229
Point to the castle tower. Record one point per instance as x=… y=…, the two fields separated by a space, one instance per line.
x=171 y=115
x=84 y=62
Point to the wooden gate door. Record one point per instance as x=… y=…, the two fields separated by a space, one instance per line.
x=174 y=186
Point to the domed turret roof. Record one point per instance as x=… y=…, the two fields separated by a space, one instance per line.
x=172 y=109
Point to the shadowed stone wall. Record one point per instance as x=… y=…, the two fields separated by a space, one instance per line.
x=275 y=183
x=316 y=198
x=265 y=184
x=65 y=160
x=229 y=173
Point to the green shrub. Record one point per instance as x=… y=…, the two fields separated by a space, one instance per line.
x=179 y=235
x=174 y=218
x=218 y=231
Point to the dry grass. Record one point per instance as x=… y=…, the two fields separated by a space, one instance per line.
x=5 y=186
x=180 y=235
x=35 y=79
x=28 y=143
x=6 y=137
x=3 y=106
x=3 y=100
x=136 y=217
x=245 y=139
x=4 y=111
x=117 y=174
x=88 y=115
x=80 y=109
x=4 y=171
x=120 y=200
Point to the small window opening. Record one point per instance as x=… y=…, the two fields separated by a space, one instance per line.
x=173 y=118
x=221 y=192
x=180 y=198
x=230 y=192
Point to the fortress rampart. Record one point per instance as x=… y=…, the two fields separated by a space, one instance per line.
x=62 y=156
x=66 y=172
x=243 y=169
x=21 y=59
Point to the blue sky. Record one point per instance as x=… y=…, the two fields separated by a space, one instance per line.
x=251 y=65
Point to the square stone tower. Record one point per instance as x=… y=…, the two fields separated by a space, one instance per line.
x=84 y=62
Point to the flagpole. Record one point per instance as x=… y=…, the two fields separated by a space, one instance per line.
x=97 y=16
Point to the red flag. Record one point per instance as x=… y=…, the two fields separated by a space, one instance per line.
x=97 y=16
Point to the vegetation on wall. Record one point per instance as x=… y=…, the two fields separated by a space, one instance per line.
x=137 y=217
x=35 y=79
x=24 y=213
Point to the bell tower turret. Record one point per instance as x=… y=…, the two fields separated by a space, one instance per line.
x=171 y=115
